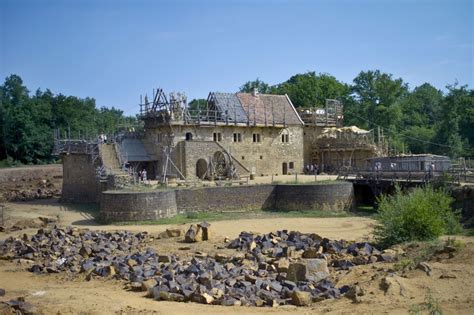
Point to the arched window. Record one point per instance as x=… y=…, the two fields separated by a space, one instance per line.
x=189 y=136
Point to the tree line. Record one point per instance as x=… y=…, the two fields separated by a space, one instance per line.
x=28 y=121
x=420 y=120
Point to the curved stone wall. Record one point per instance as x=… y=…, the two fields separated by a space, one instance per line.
x=325 y=196
x=137 y=206
x=153 y=205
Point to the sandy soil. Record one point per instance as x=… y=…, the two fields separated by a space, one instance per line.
x=57 y=294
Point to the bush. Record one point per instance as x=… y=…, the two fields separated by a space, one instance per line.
x=420 y=215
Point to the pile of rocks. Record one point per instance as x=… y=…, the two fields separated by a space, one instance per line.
x=275 y=269
x=18 y=306
x=340 y=254
x=71 y=249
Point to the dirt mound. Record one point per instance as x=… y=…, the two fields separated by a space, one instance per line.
x=39 y=222
x=30 y=183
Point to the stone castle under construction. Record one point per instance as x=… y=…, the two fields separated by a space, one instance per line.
x=239 y=134
x=234 y=135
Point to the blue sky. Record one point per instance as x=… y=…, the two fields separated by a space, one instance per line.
x=116 y=50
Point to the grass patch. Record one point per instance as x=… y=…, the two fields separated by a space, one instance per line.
x=251 y=214
x=468 y=232
x=365 y=210
x=424 y=251
x=403 y=264
x=430 y=306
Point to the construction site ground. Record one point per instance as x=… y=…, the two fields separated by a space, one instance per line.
x=58 y=294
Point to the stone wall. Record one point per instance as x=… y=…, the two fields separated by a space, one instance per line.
x=136 y=206
x=80 y=184
x=263 y=158
x=226 y=198
x=334 y=197
x=153 y=205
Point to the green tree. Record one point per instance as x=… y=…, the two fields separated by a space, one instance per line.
x=249 y=86
x=109 y=119
x=27 y=121
x=374 y=89
x=421 y=107
x=197 y=104
x=457 y=103
x=310 y=89
x=418 y=139
x=379 y=97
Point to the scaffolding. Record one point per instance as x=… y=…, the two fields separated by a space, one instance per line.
x=329 y=116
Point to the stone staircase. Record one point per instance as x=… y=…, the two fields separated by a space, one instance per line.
x=110 y=161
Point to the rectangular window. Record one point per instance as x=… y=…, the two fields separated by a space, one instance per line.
x=291 y=165
x=285 y=138
x=217 y=136
x=256 y=137
x=237 y=137
x=243 y=157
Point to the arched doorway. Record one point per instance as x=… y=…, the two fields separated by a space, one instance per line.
x=189 y=136
x=201 y=168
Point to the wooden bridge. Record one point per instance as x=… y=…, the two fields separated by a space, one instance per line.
x=385 y=181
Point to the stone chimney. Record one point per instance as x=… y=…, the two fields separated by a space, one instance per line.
x=255 y=92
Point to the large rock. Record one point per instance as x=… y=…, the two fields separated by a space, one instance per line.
x=354 y=293
x=206 y=233
x=206 y=298
x=301 y=298
x=308 y=270
x=148 y=286
x=194 y=234
x=392 y=285
x=424 y=266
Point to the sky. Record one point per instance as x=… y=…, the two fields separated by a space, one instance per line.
x=114 y=51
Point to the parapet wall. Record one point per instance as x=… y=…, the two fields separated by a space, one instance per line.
x=333 y=197
x=226 y=198
x=137 y=206
x=153 y=205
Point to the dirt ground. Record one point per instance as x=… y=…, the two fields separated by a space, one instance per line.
x=57 y=294
x=30 y=182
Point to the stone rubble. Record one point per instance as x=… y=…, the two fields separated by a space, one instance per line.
x=269 y=271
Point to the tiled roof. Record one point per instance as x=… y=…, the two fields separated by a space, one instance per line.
x=260 y=109
x=229 y=106
x=269 y=109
